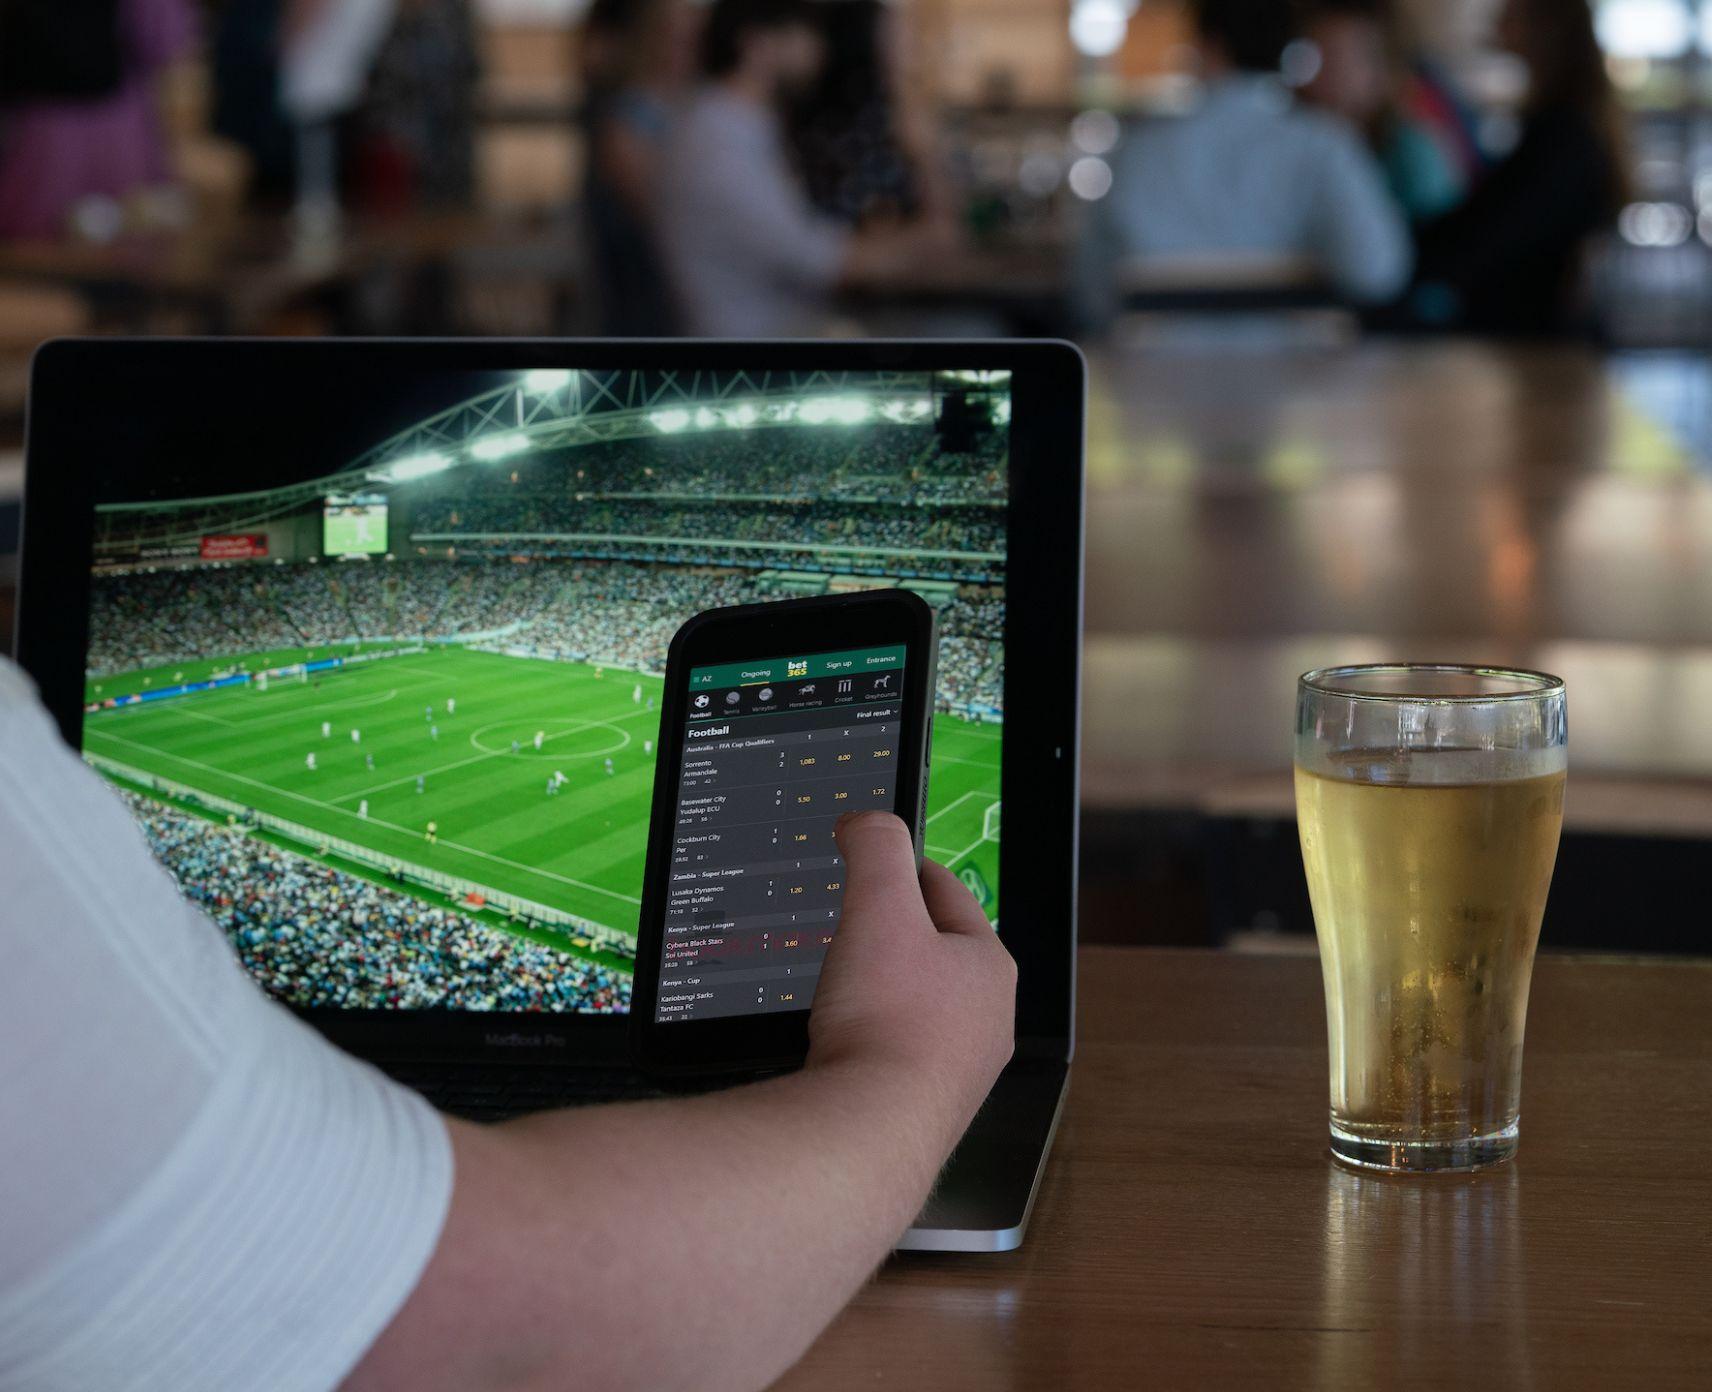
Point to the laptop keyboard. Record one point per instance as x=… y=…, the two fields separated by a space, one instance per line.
x=492 y=1094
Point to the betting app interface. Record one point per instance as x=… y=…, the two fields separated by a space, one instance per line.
x=775 y=751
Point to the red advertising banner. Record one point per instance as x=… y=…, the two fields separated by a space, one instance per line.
x=247 y=547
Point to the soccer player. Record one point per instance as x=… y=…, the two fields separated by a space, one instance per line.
x=636 y=694
x=363 y=809
x=539 y=736
x=650 y=703
x=326 y=729
x=432 y=835
x=419 y=783
x=515 y=746
x=434 y=732
x=451 y=705
x=309 y=762
x=609 y=766
x=647 y=746
x=369 y=760
x=559 y=777
x=552 y=787
x=427 y=712
x=356 y=736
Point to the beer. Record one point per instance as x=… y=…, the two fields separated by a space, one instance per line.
x=1428 y=871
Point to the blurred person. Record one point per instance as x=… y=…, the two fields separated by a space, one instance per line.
x=413 y=143
x=283 y=68
x=638 y=59
x=748 y=254
x=1247 y=174
x=326 y=55
x=80 y=125
x=1363 y=74
x=199 y=1192
x=865 y=150
x=246 y=109
x=1508 y=261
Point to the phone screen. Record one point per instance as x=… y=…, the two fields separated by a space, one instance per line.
x=774 y=751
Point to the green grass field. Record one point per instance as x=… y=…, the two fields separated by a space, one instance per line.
x=580 y=851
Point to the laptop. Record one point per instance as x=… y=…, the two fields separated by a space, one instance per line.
x=369 y=638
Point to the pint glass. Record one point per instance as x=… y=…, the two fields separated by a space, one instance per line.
x=1429 y=801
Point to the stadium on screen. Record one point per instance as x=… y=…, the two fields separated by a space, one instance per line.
x=395 y=725
x=354 y=524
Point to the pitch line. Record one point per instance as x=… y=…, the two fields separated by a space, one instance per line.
x=959 y=759
x=201 y=715
x=948 y=806
x=973 y=845
x=270 y=719
x=371 y=821
x=473 y=759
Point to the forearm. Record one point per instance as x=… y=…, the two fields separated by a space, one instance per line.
x=697 y=1242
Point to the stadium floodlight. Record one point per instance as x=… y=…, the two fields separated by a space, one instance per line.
x=669 y=421
x=545 y=380
x=417 y=466
x=742 y=416
x=836 y=410
x=491 y=447
x=904 y=410
x=705 y=418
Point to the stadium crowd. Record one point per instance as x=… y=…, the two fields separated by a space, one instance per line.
x=892 y=464
x=956 y=529
x=313 y=936
x=620 y=613
x=971 y=673
x=156 y=618
x=625 y=614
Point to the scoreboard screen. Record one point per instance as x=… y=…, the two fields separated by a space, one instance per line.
x=354 y=525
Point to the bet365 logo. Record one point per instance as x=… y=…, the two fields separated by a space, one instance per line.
x=796 y=667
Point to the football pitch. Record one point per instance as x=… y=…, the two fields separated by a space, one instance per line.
x=464 y=722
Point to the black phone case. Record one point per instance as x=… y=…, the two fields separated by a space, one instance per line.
x=732 y=1046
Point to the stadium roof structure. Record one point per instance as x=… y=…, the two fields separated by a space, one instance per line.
x=563 y=408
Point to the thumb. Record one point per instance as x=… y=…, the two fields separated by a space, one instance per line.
x=881 y=890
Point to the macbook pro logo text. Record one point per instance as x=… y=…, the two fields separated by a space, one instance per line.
x=517 y=1040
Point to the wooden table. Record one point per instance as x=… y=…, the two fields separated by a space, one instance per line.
x=1192 y=1231
x=1255 y=514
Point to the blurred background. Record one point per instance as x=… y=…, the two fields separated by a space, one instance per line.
x=1396 y=312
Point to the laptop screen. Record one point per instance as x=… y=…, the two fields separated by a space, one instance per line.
x=393 y=723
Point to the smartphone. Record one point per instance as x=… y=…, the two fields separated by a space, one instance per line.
x=777 y=720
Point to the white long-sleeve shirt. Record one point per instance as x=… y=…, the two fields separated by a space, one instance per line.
x=197 y=1191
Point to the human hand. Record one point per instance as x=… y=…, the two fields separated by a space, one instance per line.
x=916 y=978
